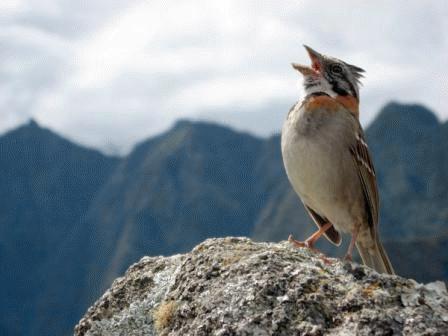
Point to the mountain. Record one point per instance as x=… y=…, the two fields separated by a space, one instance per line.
x=47 y=184
x=171 y=192
x=163 y=197
x=424 y=258
x=73 y=219
x=197 y=180
x=411 y=154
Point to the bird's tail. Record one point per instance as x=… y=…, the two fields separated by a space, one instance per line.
x=374 y=256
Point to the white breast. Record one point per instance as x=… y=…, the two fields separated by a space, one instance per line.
x=319 y=165
x=304 y=159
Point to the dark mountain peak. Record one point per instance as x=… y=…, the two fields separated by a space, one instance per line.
x=211 y=138
x=191 y=129
x=197 y=127
x=30 y=132
x=33 y=140
x=403 y=121
x=198 y=135
x=33 y=123
x=182 y=123
x=397 y=114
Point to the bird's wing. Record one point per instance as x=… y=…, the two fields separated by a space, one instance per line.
x=332 y=234
x=366 y=172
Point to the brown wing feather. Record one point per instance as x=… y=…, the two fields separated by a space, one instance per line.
x=331 y=234
x=366 y=172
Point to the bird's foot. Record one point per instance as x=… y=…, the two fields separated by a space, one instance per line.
x=326 y=260
x=310 y=245
x=348 y=257
x=298 y=243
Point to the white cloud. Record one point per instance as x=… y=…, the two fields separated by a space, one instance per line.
x=10 y=7
x=109 y=73
x=102 y=56
x=251 y=91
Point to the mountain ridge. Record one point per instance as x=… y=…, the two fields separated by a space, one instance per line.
x=194 y=181
x=47 y=183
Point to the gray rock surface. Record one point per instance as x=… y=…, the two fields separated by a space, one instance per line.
x=234 y=286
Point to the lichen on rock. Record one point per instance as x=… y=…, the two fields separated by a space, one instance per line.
x=234 y=286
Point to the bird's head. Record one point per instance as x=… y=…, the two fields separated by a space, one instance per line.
x=330 y=75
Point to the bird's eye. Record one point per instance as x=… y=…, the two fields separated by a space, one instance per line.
x=336 y=68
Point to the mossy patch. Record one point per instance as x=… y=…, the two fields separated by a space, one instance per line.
x=163 y=314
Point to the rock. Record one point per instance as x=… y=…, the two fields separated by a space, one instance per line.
x=234 y=286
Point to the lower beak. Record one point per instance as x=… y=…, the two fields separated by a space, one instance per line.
x=303 y=69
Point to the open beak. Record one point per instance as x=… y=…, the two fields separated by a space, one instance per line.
x=316 y=64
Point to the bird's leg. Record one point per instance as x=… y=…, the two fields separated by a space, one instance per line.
x=348 y=255
x=312 y=239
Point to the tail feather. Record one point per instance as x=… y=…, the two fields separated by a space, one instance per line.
x=374 y=256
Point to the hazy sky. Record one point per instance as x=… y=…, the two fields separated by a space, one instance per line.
x=109 y=73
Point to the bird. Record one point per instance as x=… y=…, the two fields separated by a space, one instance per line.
x=328 y=162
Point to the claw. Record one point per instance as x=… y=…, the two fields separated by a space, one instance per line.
x=326 y=260
x=308 y=244
x=297 y=243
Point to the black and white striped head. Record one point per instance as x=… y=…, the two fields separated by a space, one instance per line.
x=330 y=75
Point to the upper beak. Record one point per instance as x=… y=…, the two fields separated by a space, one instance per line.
x=315 y=58
x=315 y=63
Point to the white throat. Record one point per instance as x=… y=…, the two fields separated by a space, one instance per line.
x=311 y=85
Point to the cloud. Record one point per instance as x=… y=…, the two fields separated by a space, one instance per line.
x=110 y=73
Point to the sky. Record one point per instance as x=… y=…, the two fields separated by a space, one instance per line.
x=110 y=73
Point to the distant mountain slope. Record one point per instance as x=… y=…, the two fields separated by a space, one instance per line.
x=411 y=154
x=425 y=259
x=192 y=182
x=164 y=196
x=46 y=186
x=72 y=219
